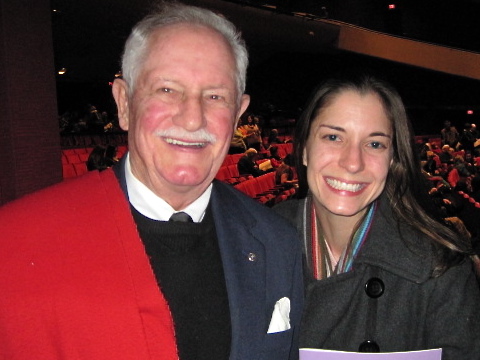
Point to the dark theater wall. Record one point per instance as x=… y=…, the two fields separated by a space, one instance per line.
x=29 y=139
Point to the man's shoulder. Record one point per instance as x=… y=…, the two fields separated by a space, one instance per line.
x=61 y=200
x=230 y=196
x=276 y=233
x=288 y=209
x=242 y=203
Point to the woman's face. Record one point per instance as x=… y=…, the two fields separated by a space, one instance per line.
x=348 y=154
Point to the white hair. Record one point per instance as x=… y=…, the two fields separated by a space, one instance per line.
x=136 y=46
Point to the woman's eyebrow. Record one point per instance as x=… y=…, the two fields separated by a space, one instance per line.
x=338 y=128
x=379 y=133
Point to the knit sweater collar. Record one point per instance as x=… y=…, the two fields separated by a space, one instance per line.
x=175 y=237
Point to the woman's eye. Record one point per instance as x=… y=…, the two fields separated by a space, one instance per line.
x=376 y=145
x=331 y=137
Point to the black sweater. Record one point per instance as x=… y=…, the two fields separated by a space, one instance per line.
x=186 y=261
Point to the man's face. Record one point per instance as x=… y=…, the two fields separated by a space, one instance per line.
x=182 y=113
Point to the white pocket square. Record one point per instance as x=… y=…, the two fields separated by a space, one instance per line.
x=280 y=317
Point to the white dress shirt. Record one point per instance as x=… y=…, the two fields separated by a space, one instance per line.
x=150 y=205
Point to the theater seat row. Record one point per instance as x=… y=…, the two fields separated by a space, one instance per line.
x=264 y=190
x=74 y=161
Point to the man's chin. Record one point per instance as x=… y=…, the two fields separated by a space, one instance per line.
x=188 y=176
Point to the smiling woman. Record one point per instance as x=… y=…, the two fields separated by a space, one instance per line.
x=353 y=136
x=378 y=260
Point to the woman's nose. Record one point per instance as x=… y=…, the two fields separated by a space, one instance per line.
x=352 y=159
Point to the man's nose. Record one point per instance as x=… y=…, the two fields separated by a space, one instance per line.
x=190 y=114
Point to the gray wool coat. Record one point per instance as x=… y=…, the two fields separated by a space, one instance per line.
x=389 y=301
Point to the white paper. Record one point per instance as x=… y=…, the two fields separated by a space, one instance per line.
x=317 y=354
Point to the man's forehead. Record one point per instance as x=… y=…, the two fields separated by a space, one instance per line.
x=174 y=38
x=171 y=41
x=169 y=31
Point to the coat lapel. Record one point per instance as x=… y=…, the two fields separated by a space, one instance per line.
x=243 y=256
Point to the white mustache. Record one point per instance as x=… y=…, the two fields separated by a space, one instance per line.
x=200 y=135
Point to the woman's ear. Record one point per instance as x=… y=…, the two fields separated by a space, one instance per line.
x=120 y=94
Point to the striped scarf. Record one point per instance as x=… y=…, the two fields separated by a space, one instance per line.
x=318 y=258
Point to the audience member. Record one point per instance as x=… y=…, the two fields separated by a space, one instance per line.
x=257 y=120
x=461 y=165
x=463 y=185
x=237 y=144
x=247 y=164
x=434 y=147
x=273 y=138
x=430 y=165
x=476 y=149
x=253 y=138
x=102 y=157
x=275 y=159
x=111 y=155
x=423 y=146
x=445 y=155
x=371 y=238
x=470 y=163
x=474 y=131
x=439 y=194
x=449 y=135
x=93 y=269
x=94 y=120
x=284 y=174
x=475 y=183
x=467 y=139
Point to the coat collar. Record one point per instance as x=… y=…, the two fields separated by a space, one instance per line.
x=119 y=170
x=396 y=247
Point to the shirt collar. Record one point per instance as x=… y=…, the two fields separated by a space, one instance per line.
x=150 y=205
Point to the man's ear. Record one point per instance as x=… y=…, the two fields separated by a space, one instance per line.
x=244 y=102
x=120 y=94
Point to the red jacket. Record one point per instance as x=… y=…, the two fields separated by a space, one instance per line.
x=75 y=282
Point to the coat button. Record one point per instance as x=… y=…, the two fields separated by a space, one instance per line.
x=252 y=257
x=374 y=288
x=369 y=346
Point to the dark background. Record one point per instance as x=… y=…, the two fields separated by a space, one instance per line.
x=89 y=36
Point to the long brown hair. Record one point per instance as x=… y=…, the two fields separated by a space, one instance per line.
x=405 y=185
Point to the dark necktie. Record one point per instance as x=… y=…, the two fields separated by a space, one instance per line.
x=181 y=217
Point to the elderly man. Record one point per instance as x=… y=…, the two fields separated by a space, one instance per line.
x=93 y=269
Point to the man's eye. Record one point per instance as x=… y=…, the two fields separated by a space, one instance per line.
x=169 y=95
x=216 y=97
